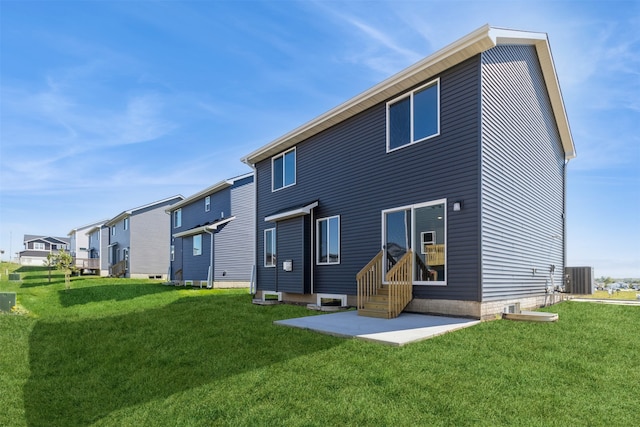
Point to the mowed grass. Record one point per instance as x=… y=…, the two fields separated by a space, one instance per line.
x=124 y=352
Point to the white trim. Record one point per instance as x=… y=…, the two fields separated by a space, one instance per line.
x=204 y=228
x=412 y=208
x=295 y=169
x=207 y=203
x=193 y=245
x=318 y=262
x=304 y=210
x=341 y=297
x=175 y=215
x=435 y=82
x=129 y=212
x=476 y=42
x=275 y=246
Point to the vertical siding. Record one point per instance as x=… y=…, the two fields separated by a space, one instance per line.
x=522 y=175
x=349 y=171
x=234 y=242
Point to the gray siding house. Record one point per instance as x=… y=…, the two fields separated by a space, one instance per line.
x=212 y=235
x=80 y=249
x=36 y=248
x=98 y=245
x=439 y=190
x=139 y=241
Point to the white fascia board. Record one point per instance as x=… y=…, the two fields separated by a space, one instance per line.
x=478 y=41
x=202 y=229
x=119 y=218
x=304 y=210
x=200 y=194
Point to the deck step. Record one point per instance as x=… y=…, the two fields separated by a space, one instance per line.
x=370 y=312
x=377 y=305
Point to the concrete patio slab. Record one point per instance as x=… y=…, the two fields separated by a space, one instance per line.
x=405 y=329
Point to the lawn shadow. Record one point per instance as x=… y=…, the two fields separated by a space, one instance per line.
x=32 y=276
x=112 y=292
x=83 y=370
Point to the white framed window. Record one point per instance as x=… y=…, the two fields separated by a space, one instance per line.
x=197 y=245
x=177 y=218
x=414 y=117
x=328 y=240
x=207 y=203
x=39 y=246
x=270 y=247
x=283 y=170
x=126 y=223
x=113 y=230
x=421 y=228
x=172 y=253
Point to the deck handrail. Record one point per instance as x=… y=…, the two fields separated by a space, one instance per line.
x=118 y=269
x=369 y=279
x=400 y=283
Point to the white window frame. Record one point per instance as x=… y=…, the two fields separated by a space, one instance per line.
x=424 y=242
x=274 y=246
x=207 y=203
x=113 y=230
x=413 y=243
x=413 y=141
x=295 y=169
x=39 y=246
x=126 y=223
x=197 y=250
x=177 y=218
x=318 y=240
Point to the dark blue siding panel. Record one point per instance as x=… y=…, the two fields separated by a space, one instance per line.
x=523 y=177
x=233 y=243
x=349 y=171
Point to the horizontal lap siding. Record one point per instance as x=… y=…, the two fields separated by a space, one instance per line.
x=234 y=243
x=522 y=175
x=349 y=171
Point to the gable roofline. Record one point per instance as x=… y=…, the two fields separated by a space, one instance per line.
x=476 y=42
x=219 y=186
x=31 y=237
x=83 y=227
x=130 y=212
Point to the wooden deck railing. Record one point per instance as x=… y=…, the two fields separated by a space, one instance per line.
x=118 y=269
x=435 y=255
x=87 y=263
x=369 y=280
x=400 y=280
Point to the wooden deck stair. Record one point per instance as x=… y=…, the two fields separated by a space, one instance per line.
x=377 y=305
x=385 y=301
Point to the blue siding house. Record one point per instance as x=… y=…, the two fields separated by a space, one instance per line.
x=212 y=235
x=439 y=190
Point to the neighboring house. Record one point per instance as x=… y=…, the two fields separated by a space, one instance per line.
x=36 y=248
x=139 y=240
x=79 y=247
x=212 y=235
x=97 y=245
x=451 y=172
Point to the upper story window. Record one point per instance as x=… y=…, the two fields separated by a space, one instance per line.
x=177 y=218
x=113 y=230
x=270 y=247
x=126 y=223
x=38 y=246
x=328 y=232
x=414 y=117
x=207 y=203
x=283 y=169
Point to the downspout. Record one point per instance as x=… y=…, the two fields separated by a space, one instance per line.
x=210 y=274
x=253 y=286
x=564 y=221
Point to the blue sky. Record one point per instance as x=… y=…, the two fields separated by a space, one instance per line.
x=109 y=105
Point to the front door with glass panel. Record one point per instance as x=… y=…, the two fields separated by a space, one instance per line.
x=422 y=229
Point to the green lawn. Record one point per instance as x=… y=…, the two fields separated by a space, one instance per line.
x=114 y=352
